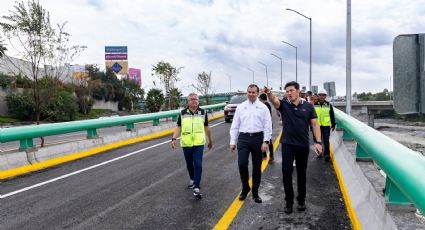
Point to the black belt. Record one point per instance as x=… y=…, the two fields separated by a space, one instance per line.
x=252 y=134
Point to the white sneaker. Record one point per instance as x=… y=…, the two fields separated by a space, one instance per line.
x=197 y=193
x=191 y=186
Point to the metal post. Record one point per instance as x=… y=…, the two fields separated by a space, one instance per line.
x=309 y=84
x=281 y=66
x=230 y=81
x=348 y=59
x=296 y=59
x=310 y=39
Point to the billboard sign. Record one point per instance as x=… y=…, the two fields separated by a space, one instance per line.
x=119 y=67
x=115 y=49
x=135 y=75
x=116 y=56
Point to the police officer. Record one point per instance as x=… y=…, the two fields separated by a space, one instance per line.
x=326 y=118
x=251 y=129
x=192 y=124
x=297 y=116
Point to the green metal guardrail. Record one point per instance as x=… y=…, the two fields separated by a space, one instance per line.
x=405 y=168
x=26 y=134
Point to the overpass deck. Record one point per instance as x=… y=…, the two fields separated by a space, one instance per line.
x=143 y=186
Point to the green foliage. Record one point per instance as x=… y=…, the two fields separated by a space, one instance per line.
x=6 y=80
x=385 y=95
x=154 y=100
x=20 y=105
x=62 y=106
x=2 y=49
x=175 y=98
x=14 y=81
x=132 y=95
x=167 y=75
x=8 y=120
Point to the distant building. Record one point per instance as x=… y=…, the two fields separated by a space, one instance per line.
x=14 y=66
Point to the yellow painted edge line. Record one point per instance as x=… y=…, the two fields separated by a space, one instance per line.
x=236 y=205
x=351 y=212
x=74 y=156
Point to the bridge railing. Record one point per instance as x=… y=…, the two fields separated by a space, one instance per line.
x=25 y=134
x=404 y=168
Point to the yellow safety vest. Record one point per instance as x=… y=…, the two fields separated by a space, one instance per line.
x=323 y=113
x=192 y=126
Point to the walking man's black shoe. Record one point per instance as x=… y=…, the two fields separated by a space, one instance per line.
x=257 y=199
x=288 y=209
x=301 y=207
x=327 y=158
x=243 y=195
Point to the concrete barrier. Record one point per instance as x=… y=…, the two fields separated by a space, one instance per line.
x=364 y=186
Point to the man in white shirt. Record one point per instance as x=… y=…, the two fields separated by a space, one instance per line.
x=251 y=130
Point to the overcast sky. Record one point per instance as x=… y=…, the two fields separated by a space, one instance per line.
x=227 y=37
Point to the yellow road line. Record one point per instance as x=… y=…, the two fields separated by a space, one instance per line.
x=351 y=212
x=236 y=205
x=74 y=156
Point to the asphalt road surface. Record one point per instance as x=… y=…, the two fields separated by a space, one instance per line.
x=144 y=186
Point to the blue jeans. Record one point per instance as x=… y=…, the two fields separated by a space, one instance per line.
x=193 y=157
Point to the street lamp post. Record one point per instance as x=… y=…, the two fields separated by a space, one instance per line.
x=348 y=60
x=267 y=75
x=281 y=67
x=252 y=75
x=309 y=83
x=230 y=81
x=296 y=60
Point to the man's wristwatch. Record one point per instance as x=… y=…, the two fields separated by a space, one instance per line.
x=173 y=139
x=317 y=142
x=266 y=142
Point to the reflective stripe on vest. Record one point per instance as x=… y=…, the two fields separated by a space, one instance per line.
x=193 y=133
x=323 y=114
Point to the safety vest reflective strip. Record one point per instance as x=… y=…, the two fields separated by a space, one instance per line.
x=323 y=114
x=193 y=133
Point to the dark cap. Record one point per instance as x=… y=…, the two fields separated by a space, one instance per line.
x=263 y=96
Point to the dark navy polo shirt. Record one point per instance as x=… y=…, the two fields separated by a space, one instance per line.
x=296 y=122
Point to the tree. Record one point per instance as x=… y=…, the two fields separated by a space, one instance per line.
x=2 y=49
x=133 y=94
x=29 y=26
x=84 y=87
x=204 y=85
x=154 y=100
x=168 y=76
x=175 y=98
x=60 y=53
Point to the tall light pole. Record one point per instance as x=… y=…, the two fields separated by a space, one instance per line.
x=296 y=59
x=267 y=75
x=230 y=81
x=309 y=83
x=281 y=66
x=252 y=75
x=348 y=60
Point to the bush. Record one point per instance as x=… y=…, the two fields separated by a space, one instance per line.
x=61 y=107
x=21 y=105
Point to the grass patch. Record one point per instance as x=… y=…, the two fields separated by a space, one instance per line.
x=8 y=120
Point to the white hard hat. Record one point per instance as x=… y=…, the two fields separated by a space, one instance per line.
x=322 y=91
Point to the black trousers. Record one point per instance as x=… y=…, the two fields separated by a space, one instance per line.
x=300 y=154
x=246 y=145
x=326 y=132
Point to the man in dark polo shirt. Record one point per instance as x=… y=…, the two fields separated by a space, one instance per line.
x=297 y=116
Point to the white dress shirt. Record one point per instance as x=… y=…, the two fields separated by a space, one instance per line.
x=251 y=118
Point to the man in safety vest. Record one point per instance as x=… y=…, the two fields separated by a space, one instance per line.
x=326 y=118
x=192 y=124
